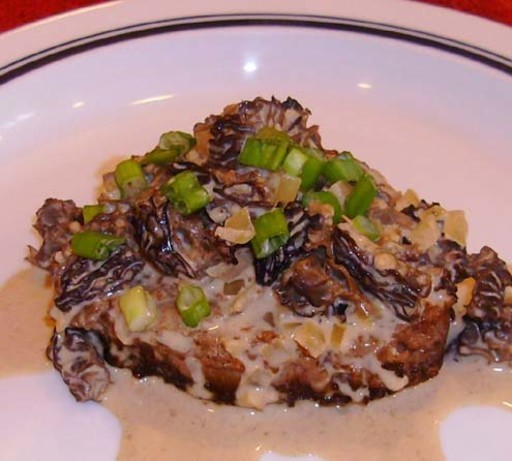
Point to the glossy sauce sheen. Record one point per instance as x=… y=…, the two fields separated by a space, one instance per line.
x=160 y=422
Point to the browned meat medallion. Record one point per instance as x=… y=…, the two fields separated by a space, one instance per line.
x=247 y=264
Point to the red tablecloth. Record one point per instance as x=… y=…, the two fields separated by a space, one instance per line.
x=14 y=13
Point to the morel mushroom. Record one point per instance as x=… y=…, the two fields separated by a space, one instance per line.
x=489 y=313
x=175 y=244
x=394 y=282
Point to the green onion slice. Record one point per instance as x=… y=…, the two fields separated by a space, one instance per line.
x=192 y=305
x=138 y=308
x=306 y=164
x=171 y=145
x=186 y=193
x=160 y=156
x=365 y=226
x=251 y=152
x=268 y=155
x=89 y=212
x=271 y=233
x=95 y=245
x=327 y=198
x=361 y=197
x=130 y=178
x=343 y=169
x=177 y=141
x=294 y=161
x=311 y=170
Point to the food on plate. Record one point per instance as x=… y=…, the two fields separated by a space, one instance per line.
x=248 y=264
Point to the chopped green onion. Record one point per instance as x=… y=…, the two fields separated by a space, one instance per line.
x=311 y=170
x=271 y=233
x=171 y=145
x=89 y=212
x=181 y=183
x=177 y=141
x=263 y=154
x=130 y=178
x=186 y=193
x=192 y=305
x=343 y=169
x=264 y=248
x=138 y=308
x=306 y=164
x=160 y=156
x=294 y=161
x=95 y=245
x=361 y=197
x=327 y=198
x=365 y=226
x=251 y=152
x=271 y=154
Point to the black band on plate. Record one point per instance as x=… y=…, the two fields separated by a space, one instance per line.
x=89 y=42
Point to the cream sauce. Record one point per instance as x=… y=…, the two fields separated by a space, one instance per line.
x=25 y=327
x=160 y=422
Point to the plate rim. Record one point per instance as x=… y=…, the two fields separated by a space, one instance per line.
x=64 y=56
x=78 y=45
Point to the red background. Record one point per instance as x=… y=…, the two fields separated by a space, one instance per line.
x=14 y=13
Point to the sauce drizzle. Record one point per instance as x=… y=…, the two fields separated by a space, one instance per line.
x=161 y=422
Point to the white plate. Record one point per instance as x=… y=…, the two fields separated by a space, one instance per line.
x=429 y=106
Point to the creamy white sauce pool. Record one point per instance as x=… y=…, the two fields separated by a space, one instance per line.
x=160 y=422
